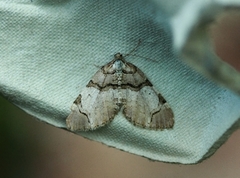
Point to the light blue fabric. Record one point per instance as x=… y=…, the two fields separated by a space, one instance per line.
x=49 y=50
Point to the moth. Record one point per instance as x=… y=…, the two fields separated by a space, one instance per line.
x=119 y=86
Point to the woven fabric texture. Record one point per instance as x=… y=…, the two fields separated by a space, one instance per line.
x=49 y=50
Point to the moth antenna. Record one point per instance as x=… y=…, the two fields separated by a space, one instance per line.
x=145 y=58
x=134 y=49
x=97 y=66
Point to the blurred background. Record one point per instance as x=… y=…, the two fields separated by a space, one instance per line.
x=30 y=148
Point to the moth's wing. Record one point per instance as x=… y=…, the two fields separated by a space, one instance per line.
x=148 y=109
x=92 y=109
x=76 y=119
x=135 y=109
x=104 y=109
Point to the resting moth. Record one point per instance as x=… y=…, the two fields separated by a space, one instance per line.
x=119 y=85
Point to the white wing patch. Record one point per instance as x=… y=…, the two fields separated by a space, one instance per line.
x=119 y=85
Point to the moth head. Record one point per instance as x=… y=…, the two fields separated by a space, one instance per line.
x=116 y=65
x=118 y=56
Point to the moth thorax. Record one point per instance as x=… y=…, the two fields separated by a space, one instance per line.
x=118 y=65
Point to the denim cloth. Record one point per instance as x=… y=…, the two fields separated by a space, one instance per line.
x=50 y=49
